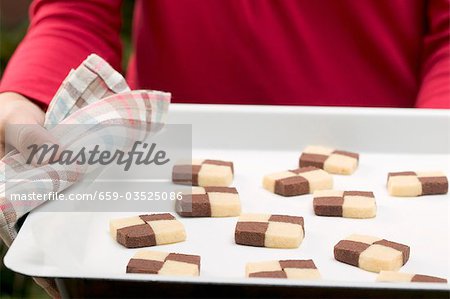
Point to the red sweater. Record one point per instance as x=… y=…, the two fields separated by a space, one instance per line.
x=391 y=53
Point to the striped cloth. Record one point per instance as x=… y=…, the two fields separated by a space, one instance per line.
x=93 y=96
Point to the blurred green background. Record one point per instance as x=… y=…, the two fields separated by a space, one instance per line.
x=13 y=27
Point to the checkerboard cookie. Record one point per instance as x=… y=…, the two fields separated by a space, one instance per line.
x=292 y=269
x=265 y=230
x=371 y=253
x=298 y=181
x=164 y=263
x=147 y=230
x=348 y=204
x=204 y=173
x=410 y=183
x=393 y=276
x=209 y=202
x=329 y=159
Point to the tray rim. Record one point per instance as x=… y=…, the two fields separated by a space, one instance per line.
x=258 y=281
x=340 y=110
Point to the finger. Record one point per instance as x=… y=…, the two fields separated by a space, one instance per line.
x=35 y=143
x=2 y=150
x=48 y=285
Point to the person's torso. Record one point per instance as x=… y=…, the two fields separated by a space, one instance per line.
x=290 y=52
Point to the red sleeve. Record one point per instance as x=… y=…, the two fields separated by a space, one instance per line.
x=435 y=88
x=61 y=35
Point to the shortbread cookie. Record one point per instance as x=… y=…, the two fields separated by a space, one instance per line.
x=409 y=183
x=147 y=230
x=292 y=269
x=265 y=230
x=348 y=204
x=393 y=276
x=329 y=159
x=164 y=263
x=298 y=181
x=209 y=202
x=371 y=253
x=204 y=173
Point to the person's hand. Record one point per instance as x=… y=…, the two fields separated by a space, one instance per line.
x=17 y=110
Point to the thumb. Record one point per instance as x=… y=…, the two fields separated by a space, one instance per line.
x=34 y=142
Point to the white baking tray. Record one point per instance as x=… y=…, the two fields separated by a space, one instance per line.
x=261 y=140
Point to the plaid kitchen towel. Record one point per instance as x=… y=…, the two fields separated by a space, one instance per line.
x=92 y=95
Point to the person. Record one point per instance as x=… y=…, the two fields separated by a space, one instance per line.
x=377 y=53
x=372 y=53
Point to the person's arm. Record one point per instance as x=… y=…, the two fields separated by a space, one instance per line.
x=61 y=35
x=435 y=76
